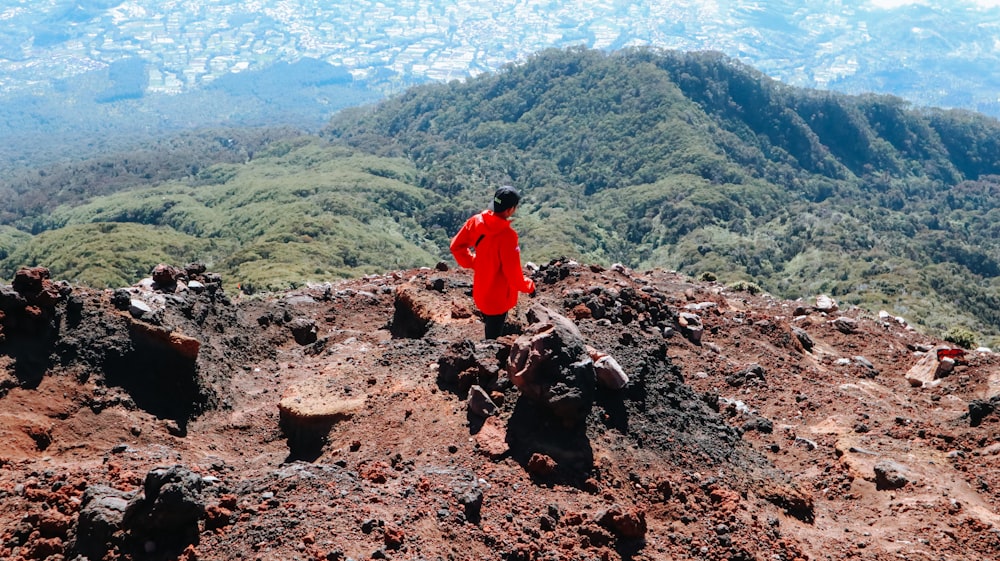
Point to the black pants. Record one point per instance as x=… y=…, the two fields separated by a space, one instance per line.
x=494 y=325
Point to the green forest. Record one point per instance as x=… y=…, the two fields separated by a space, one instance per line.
x=654 y=159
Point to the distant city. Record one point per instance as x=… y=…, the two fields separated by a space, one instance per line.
x=940 y=53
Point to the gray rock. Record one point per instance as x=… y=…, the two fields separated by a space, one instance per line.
x=752 y=373
x=166 y=513
x=304 y=330
x=889 y=475
x=690 y=326
x=980 y=409
x=102 y=510
x=804 y=338
x=845 y=325
x=480 y=402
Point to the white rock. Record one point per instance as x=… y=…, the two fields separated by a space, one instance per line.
x=826 y=304
x=924 y=371
x=138 y=308
x=610 y=373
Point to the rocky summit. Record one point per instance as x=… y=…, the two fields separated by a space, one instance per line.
x=624 y=415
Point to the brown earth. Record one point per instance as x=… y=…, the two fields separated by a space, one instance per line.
x=333 y=422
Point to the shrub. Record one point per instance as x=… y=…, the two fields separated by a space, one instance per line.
x=961 y=336
x=746 y=286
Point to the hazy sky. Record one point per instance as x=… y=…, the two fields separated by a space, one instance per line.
x=898 y=3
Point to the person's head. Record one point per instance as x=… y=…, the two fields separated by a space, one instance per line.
x=505 y=200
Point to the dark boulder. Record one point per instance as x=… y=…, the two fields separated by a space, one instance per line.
x=550 y=365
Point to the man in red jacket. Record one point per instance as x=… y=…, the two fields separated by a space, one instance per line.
x=488 y=245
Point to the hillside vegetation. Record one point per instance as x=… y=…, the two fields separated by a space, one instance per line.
x=686 y=161
x=303 y=211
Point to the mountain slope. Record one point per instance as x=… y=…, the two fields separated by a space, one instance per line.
x=343 y=421
x=694 y=162
x=684 y=161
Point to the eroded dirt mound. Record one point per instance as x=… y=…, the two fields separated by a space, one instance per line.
x=368 y=419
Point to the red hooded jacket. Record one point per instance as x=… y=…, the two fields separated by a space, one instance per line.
x=488 y=245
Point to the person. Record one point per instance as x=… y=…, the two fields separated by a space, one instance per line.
x=488 y=245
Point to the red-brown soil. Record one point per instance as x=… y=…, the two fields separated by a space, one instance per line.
x=753 y=442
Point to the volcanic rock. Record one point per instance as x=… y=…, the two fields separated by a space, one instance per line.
x=551 y=366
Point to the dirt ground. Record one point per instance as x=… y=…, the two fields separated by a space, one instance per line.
x=338 y=422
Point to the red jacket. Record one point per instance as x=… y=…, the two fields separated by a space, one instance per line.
x=488 y=245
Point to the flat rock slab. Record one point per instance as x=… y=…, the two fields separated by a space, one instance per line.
x=319 y=399
x=308 y=411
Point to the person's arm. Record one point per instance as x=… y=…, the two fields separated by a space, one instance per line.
x=462 y=244
x=510 y=262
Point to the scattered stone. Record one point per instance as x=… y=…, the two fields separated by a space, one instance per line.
x=166 y=277
x=929 y=369
x=393 y=537
x=102 y=510
x=752 y=373
x=889 y=475
x=979 y=409
x=805 y=443
x=846 y=325
x=139 y=309
x=466 y=363
x=944 y=368
x=167 y=511
x=826 y=304
x=29 y=281
x=629 y=525
x=437 y=283
x=581 y=311
x=370 y=525
x=690 y=326
x=804 y=339
x=759 y=424
x=492 y=439
x=33 y=284
x=609 y=373
x=471 y=499
x=541 y=465
x=194 y=270
x=303 y=330
x=480 y=403
x=864 y=362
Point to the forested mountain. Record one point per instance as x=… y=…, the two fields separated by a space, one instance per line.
x=695 y=162
x=688 y=161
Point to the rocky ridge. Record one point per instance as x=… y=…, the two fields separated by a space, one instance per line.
x=626 y=415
